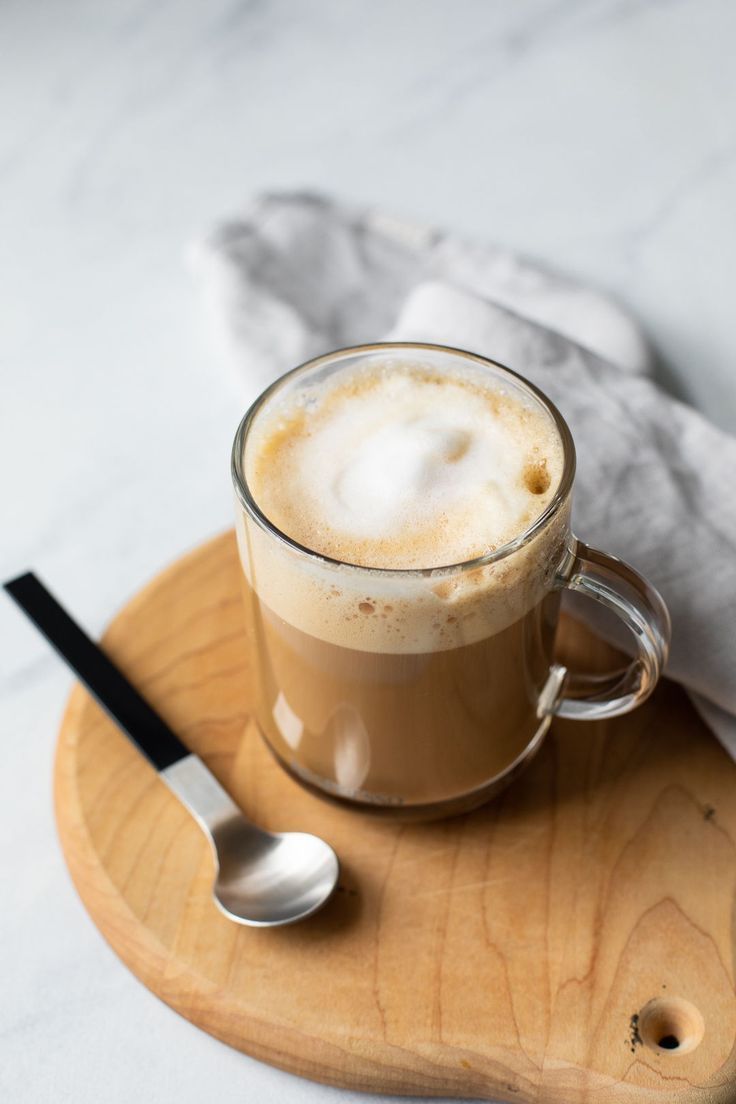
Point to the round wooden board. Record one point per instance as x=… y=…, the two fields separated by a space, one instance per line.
x=505 y=954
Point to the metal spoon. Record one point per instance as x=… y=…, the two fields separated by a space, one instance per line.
x=262 y=878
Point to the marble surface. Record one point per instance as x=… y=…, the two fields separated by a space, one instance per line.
x=597 y=135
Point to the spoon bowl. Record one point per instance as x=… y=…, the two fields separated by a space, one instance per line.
x=263 y=878
x=266 y=878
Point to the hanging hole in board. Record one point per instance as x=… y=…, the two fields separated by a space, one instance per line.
x=670 y=1025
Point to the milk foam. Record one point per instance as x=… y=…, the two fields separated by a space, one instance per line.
x=404 y=467
x=395 y=465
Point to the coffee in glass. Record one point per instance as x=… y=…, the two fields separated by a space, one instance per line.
x=403 y=526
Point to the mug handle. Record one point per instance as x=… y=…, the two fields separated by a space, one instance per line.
x=619 y=588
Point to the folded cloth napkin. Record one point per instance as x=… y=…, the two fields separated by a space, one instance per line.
x=299 y=275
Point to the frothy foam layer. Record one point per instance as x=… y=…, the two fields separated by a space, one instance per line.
x=402 y=467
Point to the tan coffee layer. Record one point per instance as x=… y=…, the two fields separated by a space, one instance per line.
x=414 y=729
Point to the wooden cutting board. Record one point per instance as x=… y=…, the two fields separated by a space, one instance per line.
x=537 y=950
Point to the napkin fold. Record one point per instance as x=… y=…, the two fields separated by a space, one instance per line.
x=298 y=275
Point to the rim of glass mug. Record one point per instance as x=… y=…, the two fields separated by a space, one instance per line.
x=559 y=498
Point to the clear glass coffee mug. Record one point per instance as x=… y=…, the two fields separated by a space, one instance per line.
x=423 y=692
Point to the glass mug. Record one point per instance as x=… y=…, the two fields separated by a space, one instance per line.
x=436 y=725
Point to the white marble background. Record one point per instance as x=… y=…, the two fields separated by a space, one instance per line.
x=598 y=135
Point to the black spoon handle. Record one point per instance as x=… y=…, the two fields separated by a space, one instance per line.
x=105 y=682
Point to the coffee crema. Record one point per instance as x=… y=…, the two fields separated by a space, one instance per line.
x=397 y=466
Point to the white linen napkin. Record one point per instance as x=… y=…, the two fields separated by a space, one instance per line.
x=299 y=275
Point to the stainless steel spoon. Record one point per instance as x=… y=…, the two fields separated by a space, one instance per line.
x=262 y=878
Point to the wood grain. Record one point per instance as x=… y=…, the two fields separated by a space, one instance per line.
x=536 y=950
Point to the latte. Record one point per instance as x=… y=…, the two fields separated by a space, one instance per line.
x=398 y=662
